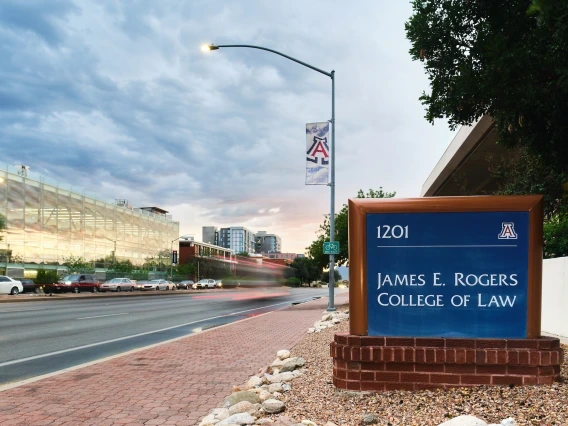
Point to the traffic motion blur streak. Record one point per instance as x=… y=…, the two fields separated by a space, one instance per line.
x=244 y=296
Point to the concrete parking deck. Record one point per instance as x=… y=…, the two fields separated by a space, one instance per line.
x=175 y=383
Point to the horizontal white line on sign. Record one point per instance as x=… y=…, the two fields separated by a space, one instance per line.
x=102 y=316
x=465 y=245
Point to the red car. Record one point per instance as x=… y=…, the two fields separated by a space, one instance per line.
x=77 y=283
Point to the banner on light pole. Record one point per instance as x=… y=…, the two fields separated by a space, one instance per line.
x=317 y=153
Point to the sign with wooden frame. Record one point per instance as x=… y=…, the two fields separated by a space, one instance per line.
x=466 y=267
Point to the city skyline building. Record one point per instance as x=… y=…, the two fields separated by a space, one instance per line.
x=267 y=243
x=210 y=235
x=237 y=238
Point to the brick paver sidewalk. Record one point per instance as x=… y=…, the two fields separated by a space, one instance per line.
x=172 y=384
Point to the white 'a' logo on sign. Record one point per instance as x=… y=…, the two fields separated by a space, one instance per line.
x=508 y=231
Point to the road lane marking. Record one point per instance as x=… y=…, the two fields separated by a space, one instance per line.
x=103 y=316
x=118 y=339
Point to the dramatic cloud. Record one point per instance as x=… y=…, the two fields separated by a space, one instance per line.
x=117 y=99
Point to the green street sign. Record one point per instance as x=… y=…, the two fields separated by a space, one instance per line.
x=331 y=247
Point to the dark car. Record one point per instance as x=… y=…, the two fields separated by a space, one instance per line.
x=77 y=283
x=29 y=286
x=185 y=284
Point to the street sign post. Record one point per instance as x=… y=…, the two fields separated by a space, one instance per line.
x=331 y=247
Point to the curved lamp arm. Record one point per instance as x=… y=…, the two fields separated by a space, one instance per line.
x=215 y=47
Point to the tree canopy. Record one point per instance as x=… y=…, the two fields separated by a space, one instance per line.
x=504 y=58
x=2 y=225
x=303 y=268
x=315 y=250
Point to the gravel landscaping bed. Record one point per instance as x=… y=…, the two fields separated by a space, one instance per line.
x=313 y=397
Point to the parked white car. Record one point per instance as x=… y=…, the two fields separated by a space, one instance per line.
x=159 y=285
x=10 y=285
x=206 y=283
x=118 y=284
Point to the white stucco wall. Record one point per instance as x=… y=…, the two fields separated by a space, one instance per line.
x=555 y=297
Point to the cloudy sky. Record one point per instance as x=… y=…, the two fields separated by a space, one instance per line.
x=117 y=99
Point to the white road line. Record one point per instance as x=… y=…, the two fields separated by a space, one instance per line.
x=19 y=361
x=102 y=316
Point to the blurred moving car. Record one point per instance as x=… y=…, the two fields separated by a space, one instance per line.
x=77 y=283
x=118 y=284
x=10 y=285
x=29 y=286
x=206 y=283
x=186 y=284
x=219 y=283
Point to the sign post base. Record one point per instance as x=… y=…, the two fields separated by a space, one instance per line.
x=368 y=363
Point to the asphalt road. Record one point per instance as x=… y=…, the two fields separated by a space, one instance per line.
x=42 y=337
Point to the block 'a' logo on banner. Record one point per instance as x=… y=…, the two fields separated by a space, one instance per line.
x=317 y=153
x=507 y=231
x=319 y=146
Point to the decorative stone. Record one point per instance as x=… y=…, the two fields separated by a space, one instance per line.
x=508 y=422
x=309 y=423
x=370 y=419
x=283 y=354
x=240 y=407
x=292 y=363
x=277 y=395
x=264 y=421
x=464 y=421
x=208 y=420
x=311 y=330
x=286 y=387
x=238 y=419
x=253 y=382
x=264 y=395
x=284 y=421
x=255 y=410
x=220 y=413
x=273 y=406
x=281 y=377
x=237 y=397
x=326 y=317
x=275 y=387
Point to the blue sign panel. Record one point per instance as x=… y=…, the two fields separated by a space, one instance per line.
x=448 y=274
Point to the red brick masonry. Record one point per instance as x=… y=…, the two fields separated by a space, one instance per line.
x=364 y=363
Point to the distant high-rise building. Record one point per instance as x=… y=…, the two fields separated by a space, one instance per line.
x=210 y=235
x=267 y=243
x=237 y=238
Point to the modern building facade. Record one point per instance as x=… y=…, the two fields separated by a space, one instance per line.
x=210 y=235
x=237 y=238
x=47 y=223
x=267 y=243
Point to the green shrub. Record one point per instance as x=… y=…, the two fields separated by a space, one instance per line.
x=293 y=281
x=46 y=277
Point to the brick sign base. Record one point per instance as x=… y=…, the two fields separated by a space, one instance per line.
x=364 y=363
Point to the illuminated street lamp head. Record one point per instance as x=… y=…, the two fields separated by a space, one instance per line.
x=208 y=47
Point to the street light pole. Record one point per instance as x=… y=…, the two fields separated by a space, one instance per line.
x=330 y=306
